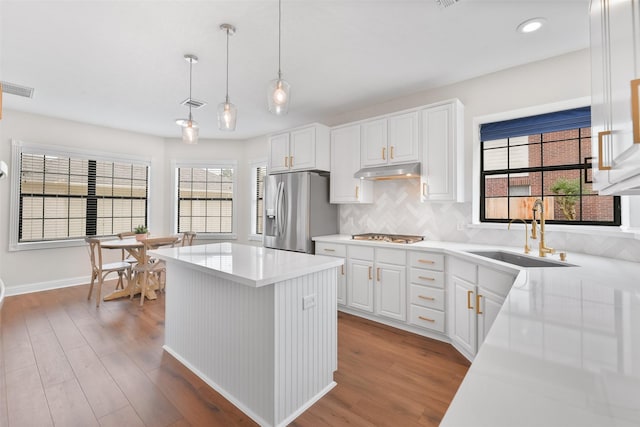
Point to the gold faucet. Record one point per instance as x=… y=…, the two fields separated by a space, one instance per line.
x=526 y=234
x=542 y=249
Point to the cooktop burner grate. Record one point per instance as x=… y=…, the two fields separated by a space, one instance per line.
x=392 y=238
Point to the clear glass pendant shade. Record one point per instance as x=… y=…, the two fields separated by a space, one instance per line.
x=190 y=132
x=279 y=96
x=227 y=115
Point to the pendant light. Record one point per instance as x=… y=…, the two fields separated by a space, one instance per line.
x=279 y=91
x=189 y=126
x=227 y=112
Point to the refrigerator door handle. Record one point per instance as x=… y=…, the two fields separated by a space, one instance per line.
x=282 y=214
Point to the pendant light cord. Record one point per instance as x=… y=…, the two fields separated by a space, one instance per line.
x=227 y=96
x=279 y=36
x=190 y=83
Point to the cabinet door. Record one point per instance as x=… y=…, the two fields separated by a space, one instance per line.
x=279 y=153
x=464 y=333
x=302 y=149
x=345 y=162
x=391 y=291
x=402 y=138
x=489 y=307
x=373 y=143
x=360 y=289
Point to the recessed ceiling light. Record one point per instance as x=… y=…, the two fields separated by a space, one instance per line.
x=531 y=25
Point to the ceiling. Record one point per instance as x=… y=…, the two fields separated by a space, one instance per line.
x=120 y=63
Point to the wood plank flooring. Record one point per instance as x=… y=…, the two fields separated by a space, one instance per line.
x=65 y=363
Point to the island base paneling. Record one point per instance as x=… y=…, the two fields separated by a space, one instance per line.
x=258 y=346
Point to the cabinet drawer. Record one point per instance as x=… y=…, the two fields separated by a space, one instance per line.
x=360 y=252
x=464 y=270
x=427 y=318
x=331 y=249
x=427 y=297
x=426 y=277
x=498 y=282
x=391 y=256
x=426 y=260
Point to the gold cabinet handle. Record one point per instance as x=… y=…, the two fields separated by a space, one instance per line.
x=426 y=297
x=342 y=269
x=384 y=153
x=291 y=161
x=391 y=153
x=478 y=296
x=426 y=278
x=424 y=189
x=601 y=165
x=357 y=190
x=426 y=261
x=329 y=250
x=286 y=161
x=469 y=300
x=378 y=273
x=426 y=319
x=370 y=270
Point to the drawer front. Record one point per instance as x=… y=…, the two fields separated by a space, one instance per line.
x=426 y=260
x=498 y=282
x=391 y=256
x=426 y=277
x=360 y=252
x=465 y=270
x=427 y=297
x=331 y=249
x=427 y=318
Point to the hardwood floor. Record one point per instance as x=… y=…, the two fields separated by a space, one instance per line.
x=65 y=363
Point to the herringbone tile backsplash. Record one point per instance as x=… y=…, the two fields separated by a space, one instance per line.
x=397 y=210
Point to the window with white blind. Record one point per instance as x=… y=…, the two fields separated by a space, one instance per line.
x=205 y=199
x=258 y=173
x=63 y=195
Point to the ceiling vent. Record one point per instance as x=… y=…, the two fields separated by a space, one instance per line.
x=15 y=89
x=194 y=103
x=446 y=3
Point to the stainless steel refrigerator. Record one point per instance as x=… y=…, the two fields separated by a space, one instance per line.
x=297 y=208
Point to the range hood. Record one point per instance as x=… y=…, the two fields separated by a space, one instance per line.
x=405 y=170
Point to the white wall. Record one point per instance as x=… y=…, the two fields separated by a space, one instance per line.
x=397 y=208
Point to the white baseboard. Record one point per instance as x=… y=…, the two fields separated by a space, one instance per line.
x=45 y=286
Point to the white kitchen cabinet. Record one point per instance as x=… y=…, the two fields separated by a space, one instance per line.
x=426 y=291
x=360 y=285
x=391 y=290
x=339 y=251
x=478 y=293
x=390 y=140
x=442 y=177
x=615 y=48
x=345 y=162
x=304 y=148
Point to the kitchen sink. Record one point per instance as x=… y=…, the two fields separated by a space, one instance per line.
x=520 y=260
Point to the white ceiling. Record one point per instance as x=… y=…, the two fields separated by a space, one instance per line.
x=120 y=63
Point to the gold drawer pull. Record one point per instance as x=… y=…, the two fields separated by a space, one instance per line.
x=286 y=162
x=424 y=189
x=426 y=261
x=342 y=269
x=391 y=154
x=469 y=300
x=291 y=161
x=601 y=165
x=329 y=250
x=426 y=319
x=426 y=278
x=378 y=273
x=478 y=296
x=357 y=190
x=370 y=268
x=383 y=153
x=427 y=298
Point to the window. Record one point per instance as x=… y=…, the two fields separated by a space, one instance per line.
x=205 y=199
x=542 y=157
x=67 y=195
x=258 y=173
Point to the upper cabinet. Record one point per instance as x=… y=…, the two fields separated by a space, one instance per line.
x=442 y=142
x=389 y=140
x=615 y=53
x=345 y=162
x=304 y=148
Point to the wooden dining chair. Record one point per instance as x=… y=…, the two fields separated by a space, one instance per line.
x=153 y=270
x=126 y=256
x=100 y=270
x=187 y=238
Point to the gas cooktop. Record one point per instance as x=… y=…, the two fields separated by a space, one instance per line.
x=392 y=238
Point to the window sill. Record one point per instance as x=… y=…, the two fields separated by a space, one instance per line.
x=216 y=236
x=54 y=244
x=593 y=230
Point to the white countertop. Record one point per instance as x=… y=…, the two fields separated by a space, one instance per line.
x=563 y=351
x=250 y=265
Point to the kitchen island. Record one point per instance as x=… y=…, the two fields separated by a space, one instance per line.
x=258 y=325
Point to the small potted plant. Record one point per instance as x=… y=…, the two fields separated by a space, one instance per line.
x=141 y=232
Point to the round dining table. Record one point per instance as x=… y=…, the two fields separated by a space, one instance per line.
x=136 y=249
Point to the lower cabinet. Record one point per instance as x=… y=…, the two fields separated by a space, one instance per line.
x=360 y=286
x=478 y=293
x=339 y=251
x=391 y=291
